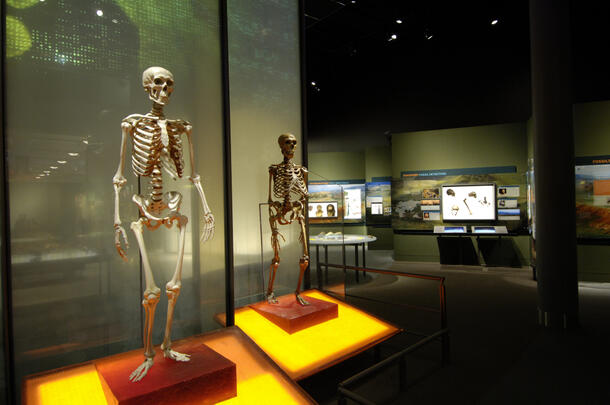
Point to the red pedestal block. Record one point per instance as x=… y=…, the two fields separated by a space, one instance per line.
x=292 y=317
x=207 y=378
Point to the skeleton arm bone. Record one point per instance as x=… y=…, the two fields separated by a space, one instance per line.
x=118 y=182
x=208 y=218
x=271 y=172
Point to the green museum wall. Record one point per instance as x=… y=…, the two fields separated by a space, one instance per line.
x=377 y=162
x=336 y=166
x=592 y=137
x=481 y=146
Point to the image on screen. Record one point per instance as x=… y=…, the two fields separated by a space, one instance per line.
x=468 y=202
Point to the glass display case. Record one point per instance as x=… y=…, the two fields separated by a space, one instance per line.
x=73 y=72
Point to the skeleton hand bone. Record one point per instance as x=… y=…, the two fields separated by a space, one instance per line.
x=208 y=226
x=207 y=222
x=118 y=233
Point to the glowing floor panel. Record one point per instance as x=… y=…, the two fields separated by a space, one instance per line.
x=308 y=351
x=259 y=381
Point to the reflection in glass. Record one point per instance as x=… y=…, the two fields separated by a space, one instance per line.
x=74 y=71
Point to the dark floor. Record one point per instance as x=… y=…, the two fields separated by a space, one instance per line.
x=499 y=354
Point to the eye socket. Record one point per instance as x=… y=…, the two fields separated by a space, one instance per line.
x=158 y=81
x=170 y=83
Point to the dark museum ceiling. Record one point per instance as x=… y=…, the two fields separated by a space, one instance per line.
x=448 y=65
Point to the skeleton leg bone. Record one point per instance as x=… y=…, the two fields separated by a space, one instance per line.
x=303 y=262
x=275 y=262
x=152 y=294
x=172 y=289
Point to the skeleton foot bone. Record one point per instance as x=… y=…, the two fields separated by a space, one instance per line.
x=141 y=371
x=271 y=298
x=174 y=355
x=301 y=300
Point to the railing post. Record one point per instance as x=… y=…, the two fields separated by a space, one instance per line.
x=445 y=349
x=402 y=374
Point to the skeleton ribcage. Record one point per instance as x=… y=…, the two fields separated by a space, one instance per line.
x=288 y=183
x=151 y=150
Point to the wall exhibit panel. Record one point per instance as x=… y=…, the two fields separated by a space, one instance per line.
x=71 y=80
x=264 y=80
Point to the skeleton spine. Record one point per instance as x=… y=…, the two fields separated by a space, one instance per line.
x=156 y=183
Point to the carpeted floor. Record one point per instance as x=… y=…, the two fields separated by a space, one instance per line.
x=499 y=354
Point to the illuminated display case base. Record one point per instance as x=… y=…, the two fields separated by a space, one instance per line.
x=259 y=380
x=318 y=347
x=208 y=378
x=292 y=317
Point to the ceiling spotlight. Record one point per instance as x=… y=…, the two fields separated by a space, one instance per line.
x=86 y=141
x=353 y=1
x=61 y=162
x=494 y=22
x=392 y=37
x=399 y=21
x=37 y=177
x=313 y=83
x=429 y=36
x=46 y=171
x=53 y=167
x=73 y=154
x=114 y=20
x=99 y=13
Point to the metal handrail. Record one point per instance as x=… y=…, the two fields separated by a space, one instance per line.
x=396 y=357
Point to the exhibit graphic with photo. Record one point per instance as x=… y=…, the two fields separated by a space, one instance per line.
x=409 y=204
x=468 y=202
x=323 y=209
x=379 y=202
x=336 y=202
x=352 y=201
x=592 y=175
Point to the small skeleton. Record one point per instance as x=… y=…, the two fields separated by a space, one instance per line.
x=156 y=146
x=454 y=210
x=288 y=183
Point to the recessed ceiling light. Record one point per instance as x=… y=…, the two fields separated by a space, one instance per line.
x=46 y=171
x=313 y=83
x=114 y=20
x=73 y=154
x=99 y=13
x=54 y=167
x=399 y=21
x=61 y=162
x=37 y=177
x=429 y=36
x=494 y=22
x=394 y=36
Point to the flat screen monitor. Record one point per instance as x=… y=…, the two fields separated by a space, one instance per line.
x=468 y=202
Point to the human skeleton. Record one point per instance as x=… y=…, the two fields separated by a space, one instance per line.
x=287 y=183
x=156 y=146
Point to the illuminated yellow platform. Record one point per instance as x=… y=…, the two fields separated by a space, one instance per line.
x=311 y=350
x=259 y=380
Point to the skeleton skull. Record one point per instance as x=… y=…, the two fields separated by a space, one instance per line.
x=288 y=144
x=158 y=83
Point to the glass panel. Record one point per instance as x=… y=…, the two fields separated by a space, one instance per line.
x=265 y=102
x=74 y=72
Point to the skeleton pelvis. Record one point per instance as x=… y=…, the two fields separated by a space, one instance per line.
x=164 y=212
